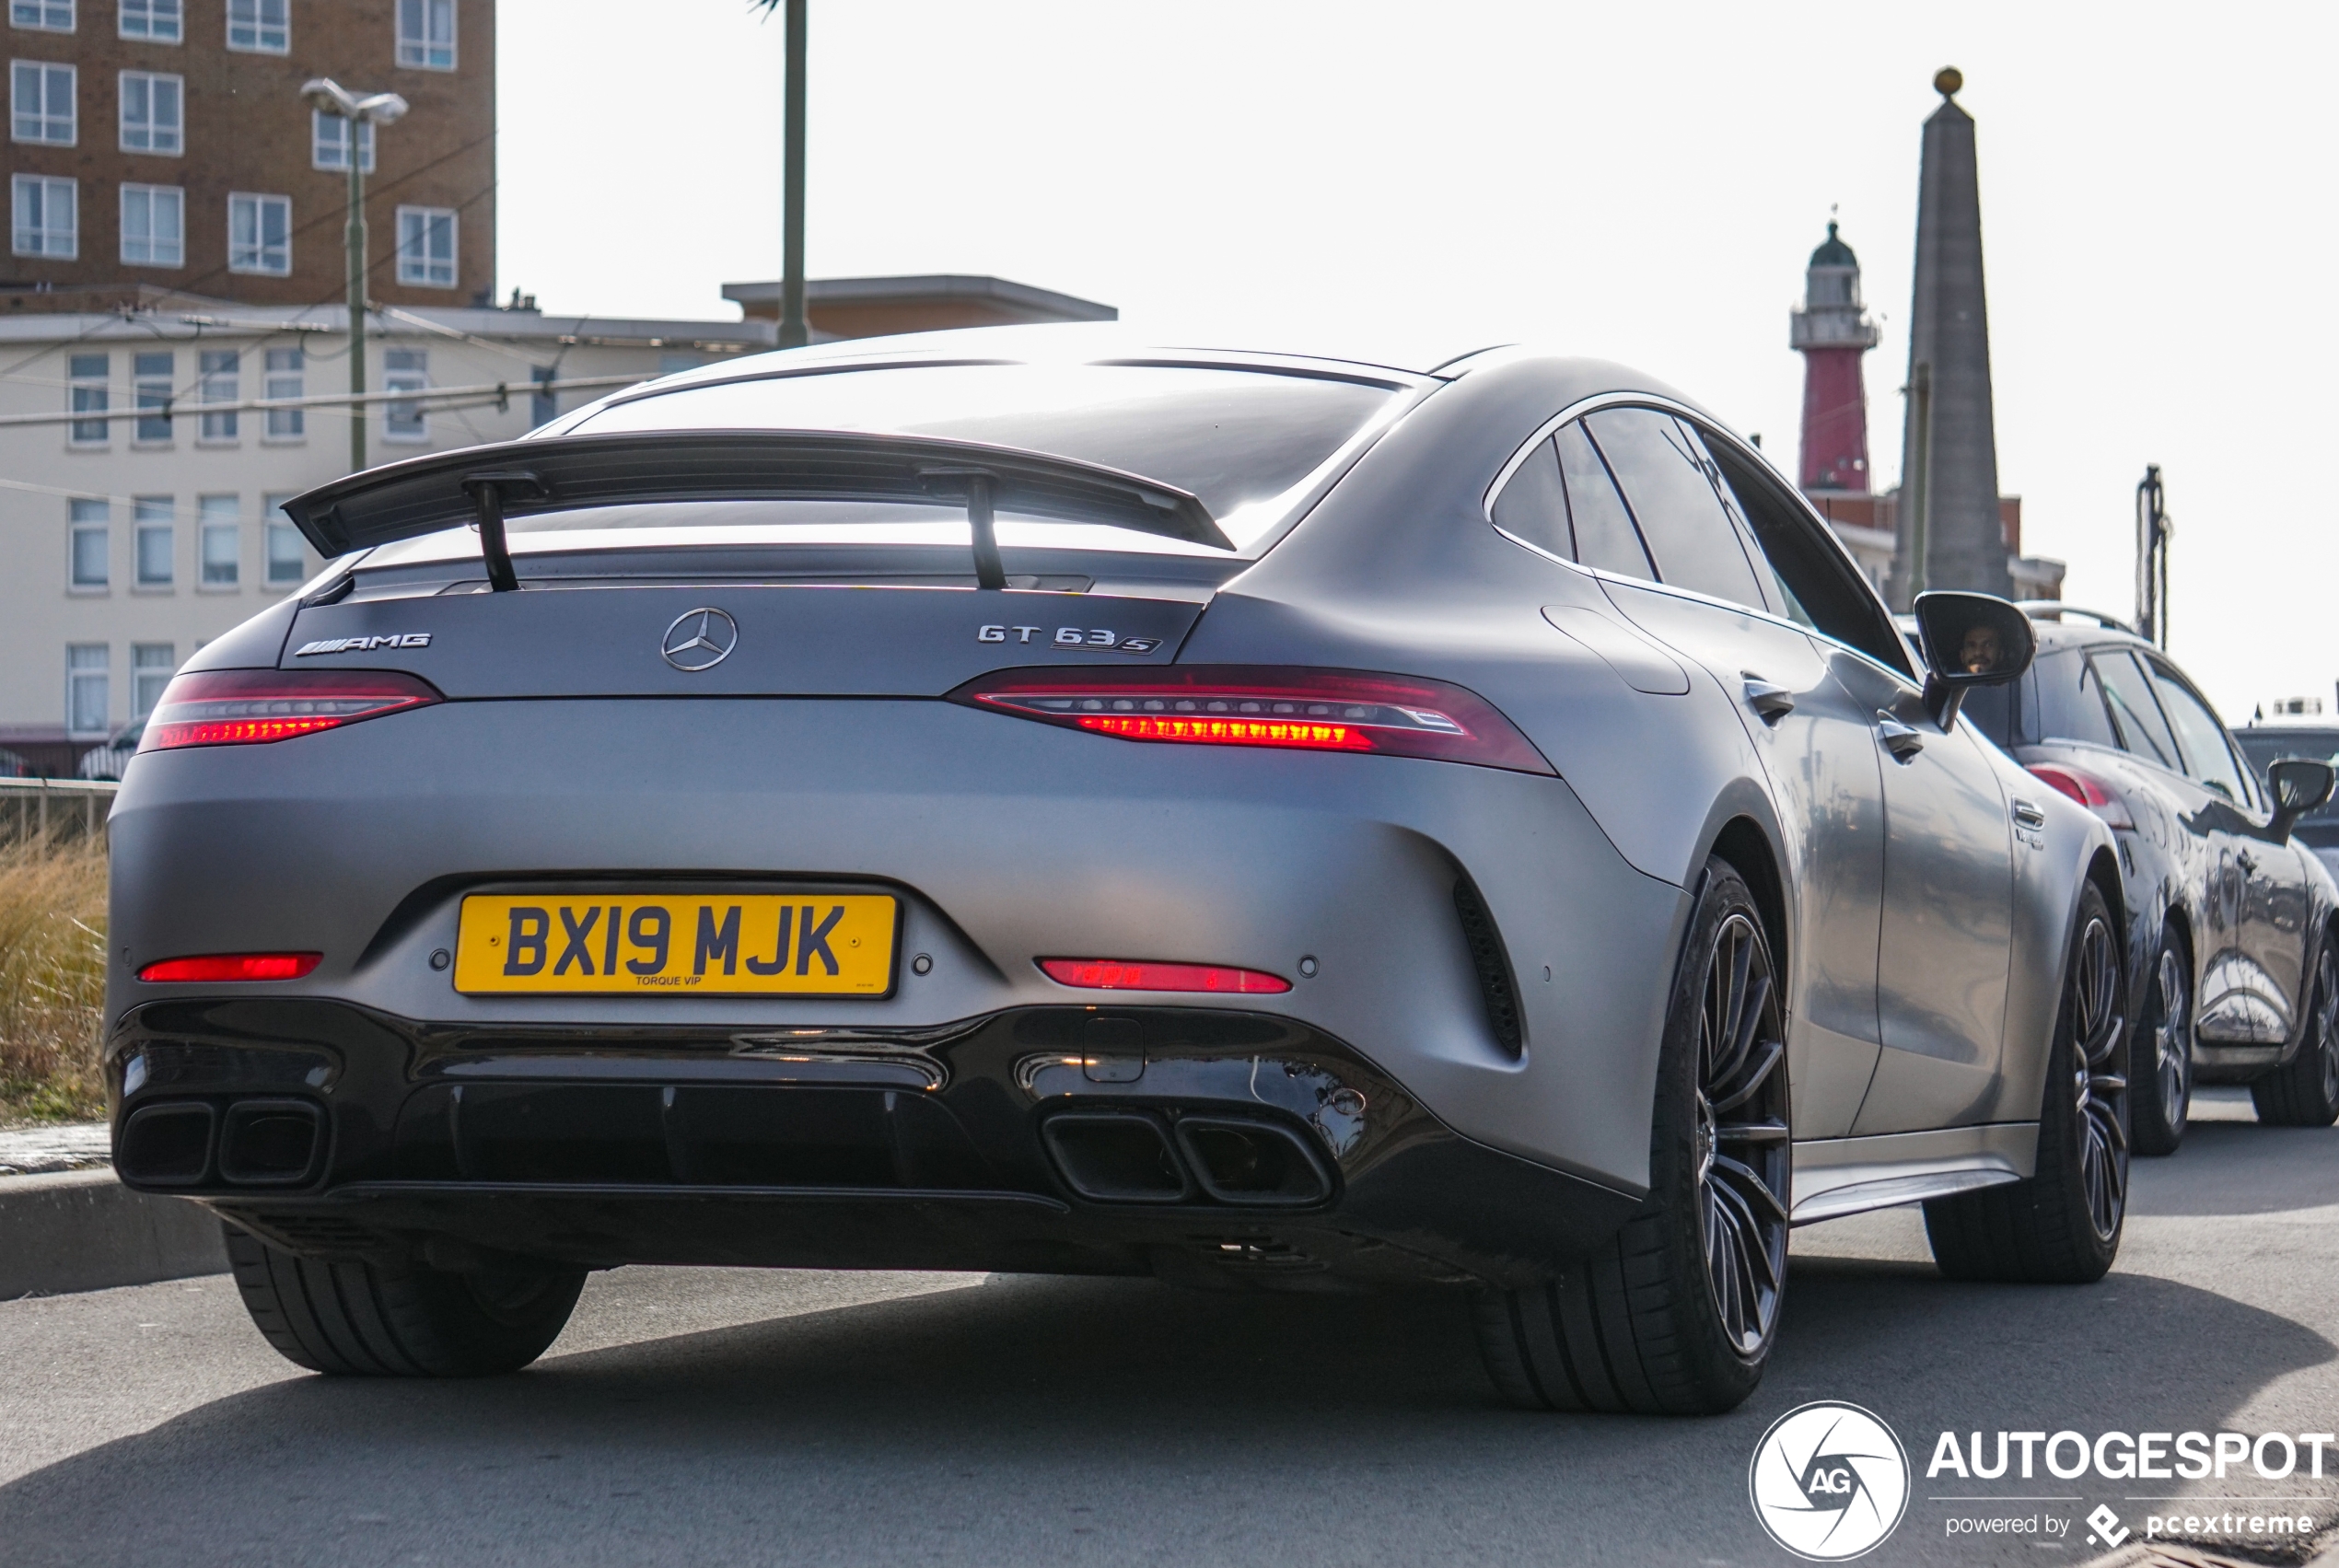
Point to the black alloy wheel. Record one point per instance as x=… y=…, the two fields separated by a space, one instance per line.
x=1742 y=1156
x=2304 y=1091
x=2160 y=1061
x=2098 y=1087
x=2063 y=1224
x=1678 y=1314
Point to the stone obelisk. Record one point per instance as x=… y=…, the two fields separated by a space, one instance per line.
x=1949 y=535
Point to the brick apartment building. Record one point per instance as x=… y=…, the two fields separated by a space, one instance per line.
x=165 y=143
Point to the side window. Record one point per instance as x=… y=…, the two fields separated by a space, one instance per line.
x=1819 y=585
x=2207 y=758
x=1533 y=505
x=1663 y=475
x=1605 y=537
x=2071 y=699
x=2141 y=727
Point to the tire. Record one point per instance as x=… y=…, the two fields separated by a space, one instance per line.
x=1678 y=1314
x=2305 y=1092
x=372 y=1319
x=2063 y=1225
x=2161 y=1055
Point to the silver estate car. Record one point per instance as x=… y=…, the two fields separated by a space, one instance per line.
x=1025 y=801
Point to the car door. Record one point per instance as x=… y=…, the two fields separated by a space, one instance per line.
x=1647 y=510
x=2272 y=893
x=2234 y=1004
x=1946 y=917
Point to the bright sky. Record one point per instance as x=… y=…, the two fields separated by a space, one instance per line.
x=1642 y=183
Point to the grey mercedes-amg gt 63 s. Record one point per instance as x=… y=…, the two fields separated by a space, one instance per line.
x=1006 y=801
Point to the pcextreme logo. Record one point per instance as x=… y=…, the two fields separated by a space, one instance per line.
x=1829 y=1481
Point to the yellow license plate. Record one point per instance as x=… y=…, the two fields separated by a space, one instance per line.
x=659 y=945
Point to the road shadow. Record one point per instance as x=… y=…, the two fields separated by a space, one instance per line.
x=1084 y=1420
x=2241 y=1168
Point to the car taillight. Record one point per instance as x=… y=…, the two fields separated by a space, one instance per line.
x=1130 y=974
x=1293 y=709
x=245 y=707
x=232 y=966
x=2086 y=789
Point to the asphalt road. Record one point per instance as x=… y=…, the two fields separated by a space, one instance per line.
x=724 y=1417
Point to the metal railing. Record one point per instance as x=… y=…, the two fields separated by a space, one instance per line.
x=47 y=810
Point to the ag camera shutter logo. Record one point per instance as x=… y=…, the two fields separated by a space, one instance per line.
x=1829 y=1481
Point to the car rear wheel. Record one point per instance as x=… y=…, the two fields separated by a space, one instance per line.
x=405 y=1321
x=2161 y=1059
x=2063 y=1225
x=1676 y=1316
x=2305 y=1092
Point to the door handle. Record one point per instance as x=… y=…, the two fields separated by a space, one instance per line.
x=2029 y=815
x=1900 y=740
x=1771 y=704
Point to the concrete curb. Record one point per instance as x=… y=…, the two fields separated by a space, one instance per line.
x=83 y=1230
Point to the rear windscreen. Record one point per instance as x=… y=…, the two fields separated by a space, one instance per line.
x=1247 y=442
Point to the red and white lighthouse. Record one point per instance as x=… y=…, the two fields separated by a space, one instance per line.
x=1831 y=332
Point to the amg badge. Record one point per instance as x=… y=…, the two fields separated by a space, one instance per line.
x=363 y=644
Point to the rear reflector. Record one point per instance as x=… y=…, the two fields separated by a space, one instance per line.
x=2086 y=789
x=1293 y=709
x=1128 y=975
x=244 y=708
x=231 y=966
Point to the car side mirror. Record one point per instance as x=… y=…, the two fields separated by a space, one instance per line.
x=2301 y=783
x=1970 y=639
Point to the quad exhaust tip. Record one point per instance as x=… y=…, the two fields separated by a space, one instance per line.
x=1140 y=1156
x=256 y=1142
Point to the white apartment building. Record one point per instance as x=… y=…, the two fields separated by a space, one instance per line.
x=139 y=519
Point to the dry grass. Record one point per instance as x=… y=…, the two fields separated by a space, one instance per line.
x=52 y=978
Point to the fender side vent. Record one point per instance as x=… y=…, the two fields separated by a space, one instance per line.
x=1486 y=956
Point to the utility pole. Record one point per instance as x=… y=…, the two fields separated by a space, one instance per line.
x=2152 y=559
x=330 y=96
x=1916 y=485
x=795 y=331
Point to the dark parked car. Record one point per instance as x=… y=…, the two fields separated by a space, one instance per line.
x=2229 y=915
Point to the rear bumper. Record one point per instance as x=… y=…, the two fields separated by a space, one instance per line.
x=915 y=1149
x=1007 y=841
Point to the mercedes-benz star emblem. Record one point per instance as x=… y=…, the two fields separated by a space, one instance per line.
x=699 y=639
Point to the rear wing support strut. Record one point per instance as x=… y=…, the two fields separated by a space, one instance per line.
x=487 y=490
x=981 y=525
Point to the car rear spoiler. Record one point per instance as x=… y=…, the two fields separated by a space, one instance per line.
x=486 y=484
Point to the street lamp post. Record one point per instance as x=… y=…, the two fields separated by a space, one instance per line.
x=330 y=96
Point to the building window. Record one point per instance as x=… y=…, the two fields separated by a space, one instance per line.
x=220 y=542
x=150 y=532
x=426 y=34
x=285 y=379
x=151 y=390
x=222 y=370
x=155 y=20
x=426 y=247
x=150 y=667
x=87 y=555
x=287 y=552
x=49 y=16
x=86 y=390
x=329 y=142
x=261 y=27
x=260 y=234
x=41 y=101
x=154 y=226
x=86 y=700
x=46 y=220
x=153 y=112
x=406 y=370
